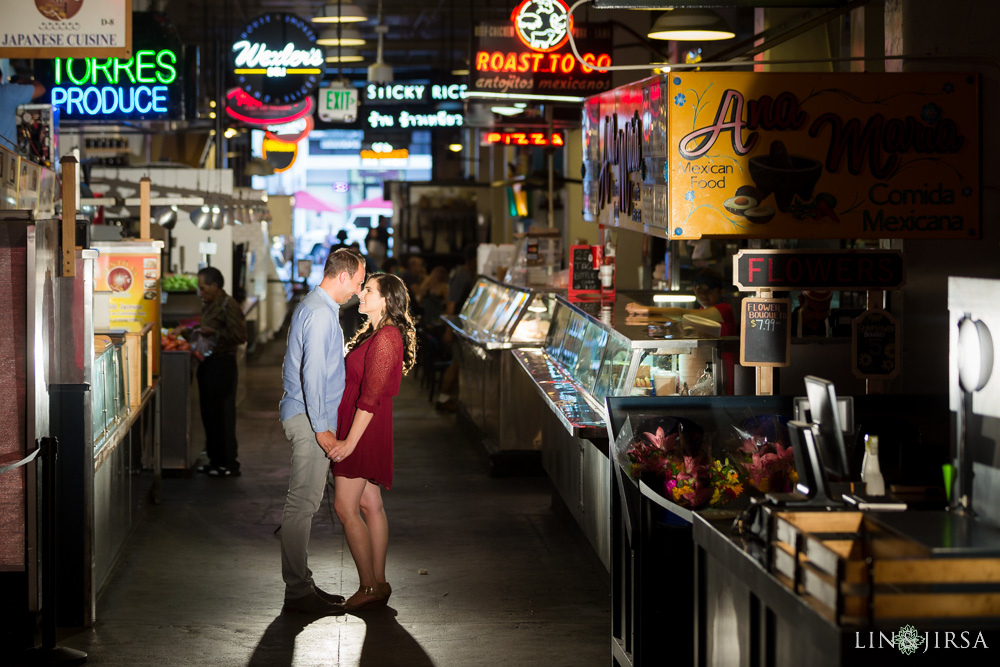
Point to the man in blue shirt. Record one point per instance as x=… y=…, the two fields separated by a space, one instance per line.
x=313 y=378
x=13 y=95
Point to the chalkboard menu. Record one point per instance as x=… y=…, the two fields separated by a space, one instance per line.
x=765 y=335
x=583 y=277
x=875 y=345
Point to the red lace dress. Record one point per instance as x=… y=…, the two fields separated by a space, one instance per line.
x=374 y=370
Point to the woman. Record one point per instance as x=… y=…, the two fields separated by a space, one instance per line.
x=708 y=287
x=382 y=351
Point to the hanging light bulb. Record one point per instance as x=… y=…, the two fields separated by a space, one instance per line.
x=341 y=12
x=692 y=25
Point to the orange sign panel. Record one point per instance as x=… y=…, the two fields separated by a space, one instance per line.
x=774 y=155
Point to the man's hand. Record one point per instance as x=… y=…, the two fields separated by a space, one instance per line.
x=327 y=440
x=341 y=450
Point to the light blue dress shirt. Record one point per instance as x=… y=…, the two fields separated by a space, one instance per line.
x=313 y=372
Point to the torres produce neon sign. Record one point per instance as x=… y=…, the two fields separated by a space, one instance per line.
x=106 y=87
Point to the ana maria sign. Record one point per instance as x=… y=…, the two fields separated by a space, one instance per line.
x=145 y=86
x=276 y=60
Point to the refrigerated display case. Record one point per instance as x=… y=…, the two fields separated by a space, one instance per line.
x=495 y=319
x=593 y=351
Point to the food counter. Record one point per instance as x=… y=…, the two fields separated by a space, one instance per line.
x=495 y=319
x=592 y=353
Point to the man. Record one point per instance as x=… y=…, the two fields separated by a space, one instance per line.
x=313 y=378
x=12 y=95
x=459 y=288
x=812 y=317
x=222 y=322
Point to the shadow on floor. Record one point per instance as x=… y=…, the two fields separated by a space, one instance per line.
x=386 y=642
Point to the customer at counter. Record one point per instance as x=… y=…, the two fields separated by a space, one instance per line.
x=708 y=289
x=812 y=316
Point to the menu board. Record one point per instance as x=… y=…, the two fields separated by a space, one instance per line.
x=765 y=334
x=583 y=277
x=875 y=345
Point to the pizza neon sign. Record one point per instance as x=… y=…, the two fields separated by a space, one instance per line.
x=522 y=138
x=542 y=25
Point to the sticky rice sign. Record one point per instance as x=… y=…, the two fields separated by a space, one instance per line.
x=823 y=155
x=66 y=29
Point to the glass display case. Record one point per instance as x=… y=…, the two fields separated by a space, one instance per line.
x=108 y=401
x=495 y=319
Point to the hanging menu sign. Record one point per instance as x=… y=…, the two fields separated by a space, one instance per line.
x=818 y=269
x=875 y=345
x=765 y=334
x=584 y=279
x=276 y=60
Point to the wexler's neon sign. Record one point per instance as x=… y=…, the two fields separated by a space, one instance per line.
x=256 y=58
x=98 y=87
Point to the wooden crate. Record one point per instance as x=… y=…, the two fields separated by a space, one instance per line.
x=853 y=571
x=139 y=364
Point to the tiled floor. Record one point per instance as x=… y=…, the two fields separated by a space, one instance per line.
x=506 y=583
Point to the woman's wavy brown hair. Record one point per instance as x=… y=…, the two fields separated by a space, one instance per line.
x=397 y=314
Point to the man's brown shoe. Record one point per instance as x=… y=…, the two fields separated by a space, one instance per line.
x=329 y=597
x=313 y=604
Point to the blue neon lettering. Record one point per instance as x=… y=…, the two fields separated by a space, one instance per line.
x=160 y=99
x=75 y=96
x=139 y=91
x=109 y=107
x=86 y=98
x=130 y=97
x=58 y=96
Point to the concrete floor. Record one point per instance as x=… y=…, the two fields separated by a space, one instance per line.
x=507 y=581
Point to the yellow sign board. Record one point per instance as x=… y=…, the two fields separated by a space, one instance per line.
x=775 y=155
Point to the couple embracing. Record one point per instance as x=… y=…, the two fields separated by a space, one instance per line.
x=337 y=412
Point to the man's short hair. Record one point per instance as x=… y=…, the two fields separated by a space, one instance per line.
x=342 y=259
x=212 y=276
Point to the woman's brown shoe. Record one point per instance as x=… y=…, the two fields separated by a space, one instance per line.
x=386 y=589
x=379 y=599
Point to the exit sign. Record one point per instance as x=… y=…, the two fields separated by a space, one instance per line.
x=338 y=103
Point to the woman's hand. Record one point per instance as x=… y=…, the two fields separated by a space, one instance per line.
x=341 y=450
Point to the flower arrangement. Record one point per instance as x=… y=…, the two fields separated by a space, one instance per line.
x=769 y=463
x=691 y=478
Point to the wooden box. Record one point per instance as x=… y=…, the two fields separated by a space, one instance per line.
x=139 y=364
x=854 y=570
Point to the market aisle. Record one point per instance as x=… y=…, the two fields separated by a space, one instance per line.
x=507 y=583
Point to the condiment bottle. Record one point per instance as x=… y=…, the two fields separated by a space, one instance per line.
x=871 y=473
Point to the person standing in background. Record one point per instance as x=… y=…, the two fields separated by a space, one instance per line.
x=313 y=378
x=12 y=95
x=222 y=322
x=812 y=316
x=463 y=278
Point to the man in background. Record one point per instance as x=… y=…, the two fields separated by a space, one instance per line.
x=459 y=288
x=13 y=93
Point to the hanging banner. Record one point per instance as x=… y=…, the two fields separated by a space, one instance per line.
x=66 y=29
x=775 y=155
x=824 y=155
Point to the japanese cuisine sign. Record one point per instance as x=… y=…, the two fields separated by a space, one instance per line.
x=762 y=155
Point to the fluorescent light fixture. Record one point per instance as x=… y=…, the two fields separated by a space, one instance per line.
x=521 y=105
x=455 y=148
x=348 y=37
x=537 y=309
x=461 y=71
x=690 y=25
x=673 y=298
x=344 y=12
x=506 y=111
x=344 y=55
x=516 y=96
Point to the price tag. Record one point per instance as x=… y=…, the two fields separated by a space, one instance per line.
x=765 y=335
x=208 y=247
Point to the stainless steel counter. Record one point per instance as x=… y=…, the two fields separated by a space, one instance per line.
x=567 y=400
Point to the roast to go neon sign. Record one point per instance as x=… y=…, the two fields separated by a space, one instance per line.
x=546 y=63
x=523 y=138
x=92 y=86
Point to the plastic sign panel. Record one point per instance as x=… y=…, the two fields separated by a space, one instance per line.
x=66 y=29
x=276 y=60
x=145 y=86
x=133 y=278
x=521 y=138
x=757 y=155
x=338 y=103
x=530 y=54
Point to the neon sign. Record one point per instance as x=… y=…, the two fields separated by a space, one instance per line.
x=137 y=87
x=416 y=92
x=393 y=154
x=542 y=25
x=405 y=119
x=522 y=138
x=276 y=60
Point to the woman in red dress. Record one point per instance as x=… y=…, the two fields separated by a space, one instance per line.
x=382 y=351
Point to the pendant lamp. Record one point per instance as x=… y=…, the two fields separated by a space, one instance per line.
x=691 y=25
